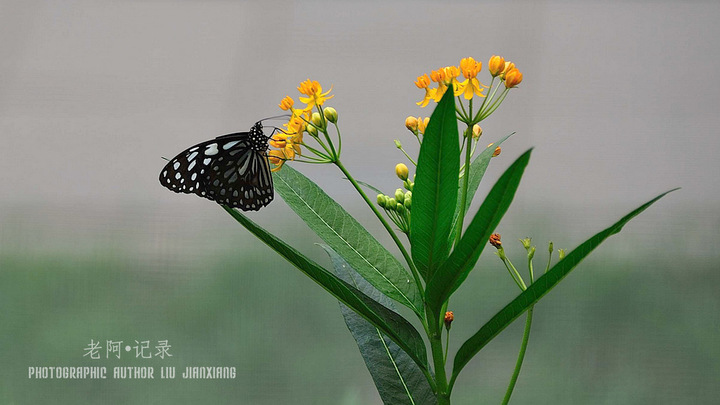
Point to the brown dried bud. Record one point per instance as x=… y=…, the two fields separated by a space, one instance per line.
x=495 y=240
x=449 y=317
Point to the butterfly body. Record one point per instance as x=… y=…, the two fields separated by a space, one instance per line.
x=231 y=169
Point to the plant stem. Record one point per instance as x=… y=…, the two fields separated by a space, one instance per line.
x=466 y=179
x=435 y=335
x=521 y=356
x=387 y=226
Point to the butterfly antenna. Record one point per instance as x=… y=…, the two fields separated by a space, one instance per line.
x=164 y=158
x=276 y=117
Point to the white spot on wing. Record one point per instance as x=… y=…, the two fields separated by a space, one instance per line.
x=211 y=150
x=230 y=145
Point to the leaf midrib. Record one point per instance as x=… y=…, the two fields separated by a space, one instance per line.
x=412 y=305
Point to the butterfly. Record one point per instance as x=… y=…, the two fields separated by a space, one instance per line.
x=231 y=169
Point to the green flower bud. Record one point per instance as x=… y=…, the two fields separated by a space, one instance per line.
x=381 y=200
x=408 y=200
x=561 y=253
x=550 y=247
x=399 y=196
x=408 y=185
x=501 y=253
x=400 y=208
x=391 y=204
x=398 y=144
x=526 y=243
x=531 y=252
x=311 y=130
x=317 y=120
x=330 y=114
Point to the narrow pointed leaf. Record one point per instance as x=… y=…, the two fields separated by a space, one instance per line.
x=435 y=190
x=398 y=379
x=456 y=268
x=389 y=322
x=347 y=237
x=477 y=171
x=537 y=290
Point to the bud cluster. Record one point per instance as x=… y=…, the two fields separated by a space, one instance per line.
x=398 y=208
x=398 y=205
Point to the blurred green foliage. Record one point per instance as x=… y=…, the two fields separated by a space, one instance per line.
x=619 y=330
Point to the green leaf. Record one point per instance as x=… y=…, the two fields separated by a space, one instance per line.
x=347 y=237
x=457 y=267
x=392 y=324
x=435 y=190
x=477 y=171
x=537 y=290
x=397 y=378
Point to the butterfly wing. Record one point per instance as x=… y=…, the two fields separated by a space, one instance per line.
x=242 y=181
x=226 y=169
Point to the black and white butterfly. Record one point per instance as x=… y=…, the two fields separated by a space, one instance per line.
x=231 y=169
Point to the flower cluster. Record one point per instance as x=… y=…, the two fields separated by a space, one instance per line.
x=447 y=77
x=288 y=141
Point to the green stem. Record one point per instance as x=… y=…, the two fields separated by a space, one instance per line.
x=530 y=268
x=514 y=274
x=495 y=105
x=447 y=344
x=337 y=129
x=443 y=394
x=521 y=356
x=387 y=226
x=407 y=156
x=464 y=113
x=466 y=179
x=488 y=96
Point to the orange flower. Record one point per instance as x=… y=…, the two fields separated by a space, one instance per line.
x=513 y=78
x=496 y=65
x=469 y=67
x=286 y=103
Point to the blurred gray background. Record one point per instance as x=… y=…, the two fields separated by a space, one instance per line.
x=619 y=99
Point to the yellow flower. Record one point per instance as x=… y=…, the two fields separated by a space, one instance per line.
x=278 y=141
x=470 y=67
x=513 y=78
x=508 y=66
x=286 y=103
x=440 y=77
x=277 y=158
x=287 y=143
x=422 y=124
x=469 y=87
x=423 y=82
x=476 y=131
x=411 y=123
x=295 y=128
x=496 y=65
x=401 y=170
x=313 y=90
x=451 y=73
